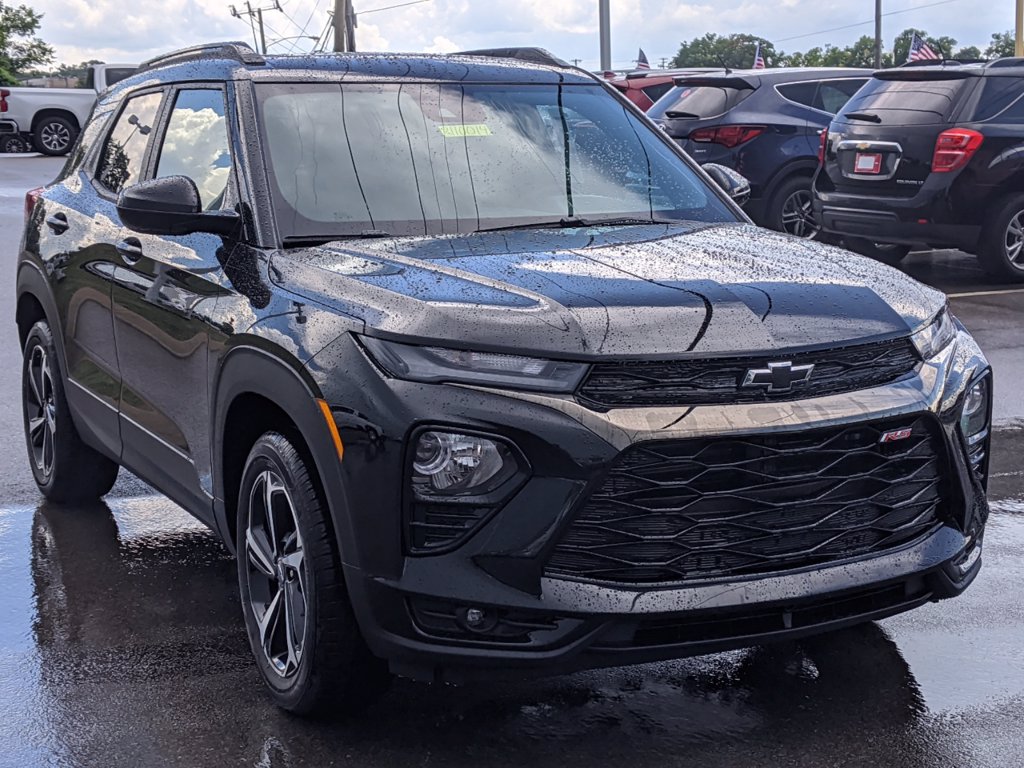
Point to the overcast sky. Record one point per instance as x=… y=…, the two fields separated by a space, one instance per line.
x=132 y=30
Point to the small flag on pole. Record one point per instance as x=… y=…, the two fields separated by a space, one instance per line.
x=758 y=58
x=921 y=51
x=641 y=61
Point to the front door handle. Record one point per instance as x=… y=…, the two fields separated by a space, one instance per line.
x=58 y=223
x=130 y=249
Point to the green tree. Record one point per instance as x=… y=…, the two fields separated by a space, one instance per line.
x=20 y=49
x=861 y=53
x=1002 y=45
x=969 y=52
x=735 y=51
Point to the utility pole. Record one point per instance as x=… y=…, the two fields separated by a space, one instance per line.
x=263 y=36
x=256 y=13
x=1019 y=45
x=604 y=18
x=878 y=33
x=576 y=62
x=344 y=26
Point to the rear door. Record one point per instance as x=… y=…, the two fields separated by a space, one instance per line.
x=883 y=140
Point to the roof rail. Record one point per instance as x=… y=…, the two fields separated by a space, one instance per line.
x=532 y=55
x=1008 y=61
x=239 y=51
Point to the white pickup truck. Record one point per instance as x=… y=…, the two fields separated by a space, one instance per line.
x=50 y=118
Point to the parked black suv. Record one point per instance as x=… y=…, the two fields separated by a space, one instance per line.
x=932 y=154
x=765 y=124
x=476 y=372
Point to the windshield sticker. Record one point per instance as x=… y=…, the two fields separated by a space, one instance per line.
x=457 y=131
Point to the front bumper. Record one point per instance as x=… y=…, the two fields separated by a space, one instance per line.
x=411 y=609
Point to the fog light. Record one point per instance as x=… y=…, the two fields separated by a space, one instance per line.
x=448 y=463
x=477 y=619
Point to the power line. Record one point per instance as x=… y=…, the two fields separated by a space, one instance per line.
x=863 y=23
x=389 y=7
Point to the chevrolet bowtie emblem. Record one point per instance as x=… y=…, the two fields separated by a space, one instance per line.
x=778 y=377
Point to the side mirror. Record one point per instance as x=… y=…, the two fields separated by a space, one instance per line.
x=734 y=184
x=170 y=206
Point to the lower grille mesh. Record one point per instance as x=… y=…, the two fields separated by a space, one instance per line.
x=708 y=508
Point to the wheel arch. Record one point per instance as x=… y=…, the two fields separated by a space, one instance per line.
x=46 y=112
x=33 y=303
x=800 y=167
x=257 y=392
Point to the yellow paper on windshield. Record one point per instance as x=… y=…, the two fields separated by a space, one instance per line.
x=460 y=130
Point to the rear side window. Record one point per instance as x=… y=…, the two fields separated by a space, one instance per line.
x=801 y=93
x=121 y=161
x=698 y=102
x=196 y=144
x=833 y=94
x=655 y=92
x=1000 y=97
x=908 y=102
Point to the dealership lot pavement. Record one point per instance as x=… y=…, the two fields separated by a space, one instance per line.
x=121 y=642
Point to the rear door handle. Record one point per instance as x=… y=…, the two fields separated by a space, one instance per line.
x=130 y=249
x=58 y=223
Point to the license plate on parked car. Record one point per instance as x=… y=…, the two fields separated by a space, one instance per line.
x=867 y=162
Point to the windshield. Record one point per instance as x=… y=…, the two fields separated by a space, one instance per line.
x=906 y=102
x=698 y=102
x=406 y=159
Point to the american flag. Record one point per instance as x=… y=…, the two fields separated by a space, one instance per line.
x=758 y=58
x=920 y=50
x=641 y=61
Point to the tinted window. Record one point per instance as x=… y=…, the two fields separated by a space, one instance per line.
x=655 y=92
x=699 y=102
x=430 y=159
x=196 y=144
x=998 y=93
x=801 y=93
x=833 y=94
x=907 y=102
x=121 y=161
x=117 y=74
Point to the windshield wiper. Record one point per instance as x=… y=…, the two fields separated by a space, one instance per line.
x=303 y=241
x=868 y=116
x=572 y=222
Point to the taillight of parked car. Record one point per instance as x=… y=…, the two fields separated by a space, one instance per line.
x=954 y=149
x=4 y=93
x=727 y=135
x=31 y=198
x=822 y=146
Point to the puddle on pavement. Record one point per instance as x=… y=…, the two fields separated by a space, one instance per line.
x=122 y=644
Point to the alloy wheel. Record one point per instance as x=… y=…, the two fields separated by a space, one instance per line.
x=798 y=215
x=276 y=575
x=41 y=409
x=55 y=137
x=1013 y=242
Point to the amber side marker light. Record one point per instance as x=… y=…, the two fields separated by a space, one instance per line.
x=332 y=427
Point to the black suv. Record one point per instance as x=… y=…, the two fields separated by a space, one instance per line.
x=765 y=124
x=931 y=154
x=477 y=372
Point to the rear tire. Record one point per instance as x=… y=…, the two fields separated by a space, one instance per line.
x=887 y=253
x=1001 y=250
x=791 y=209
x=65 y=469
x=300 y=623
x=54 y=136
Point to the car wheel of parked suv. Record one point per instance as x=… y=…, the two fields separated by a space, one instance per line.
x=792 y=209
x=64 y=468
x=297 y=613
x=887 y=253
x=54 y=136
x=1002 y=242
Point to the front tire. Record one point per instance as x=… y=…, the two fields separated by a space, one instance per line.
x=65 y=468
x=1002 y=242
x=54 y=136
x=300 y=623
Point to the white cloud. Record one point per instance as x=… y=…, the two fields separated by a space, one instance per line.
x=131 y=30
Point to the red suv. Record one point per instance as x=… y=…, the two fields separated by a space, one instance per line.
x=646 y=86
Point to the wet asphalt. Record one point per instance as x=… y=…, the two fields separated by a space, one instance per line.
x=121 y=639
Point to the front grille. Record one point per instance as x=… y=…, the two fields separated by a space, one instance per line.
x=710 y=381
x=680 y=510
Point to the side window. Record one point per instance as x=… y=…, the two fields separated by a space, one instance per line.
x=655 y=92
x=801 y=93
x=833 y=94
x=121 y=161
x=196 y=144
x=997 y=94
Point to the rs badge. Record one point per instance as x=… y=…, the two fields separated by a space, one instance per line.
x=895 y=435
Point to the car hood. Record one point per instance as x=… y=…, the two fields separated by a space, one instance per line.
x=633 y=291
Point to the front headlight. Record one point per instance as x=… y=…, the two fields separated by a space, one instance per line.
x=437 y=364
x=937 y=336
